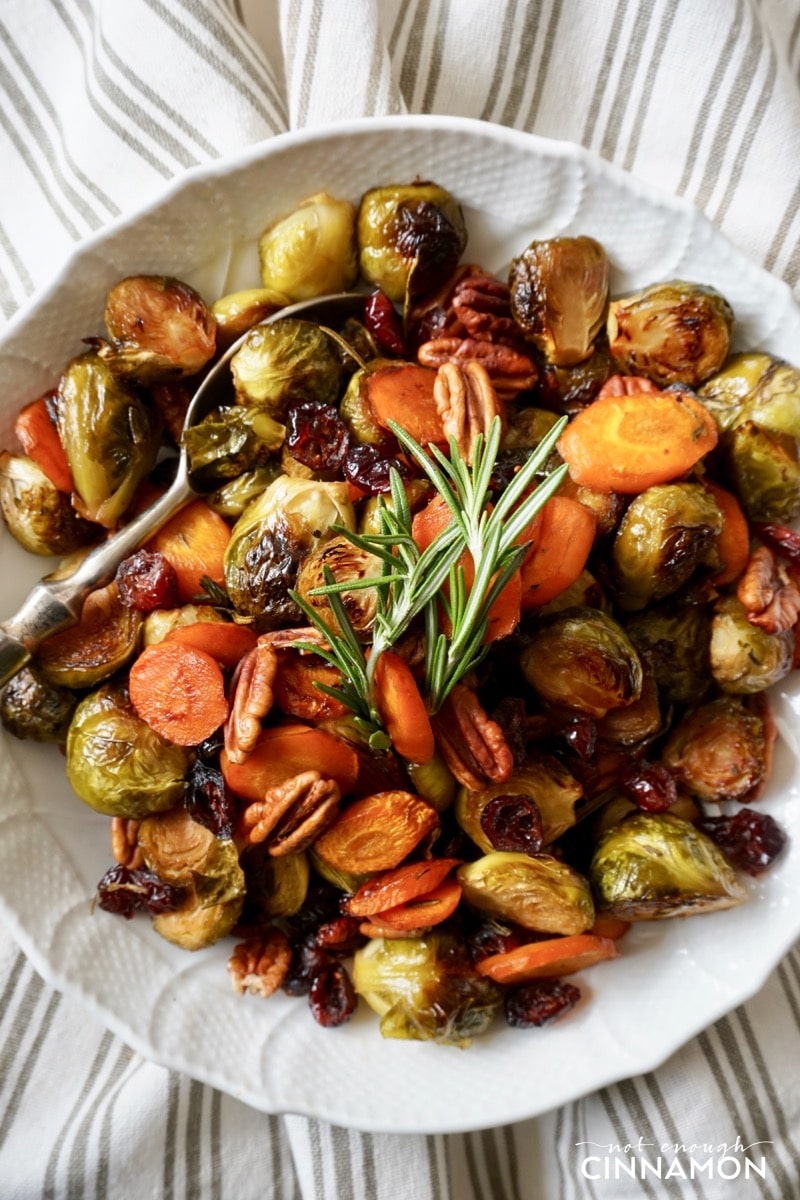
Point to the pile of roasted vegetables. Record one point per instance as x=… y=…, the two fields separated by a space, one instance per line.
x=459 y=663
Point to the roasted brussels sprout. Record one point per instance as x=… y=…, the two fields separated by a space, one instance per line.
x=356 y=410
x=410 y=238
x=425 y=989
x=159 y=328
x=271 y=538
x=346 y=563
x=758 y=388
x=666 y=533
x=719 y=751
x=116 y=763
x=34 y=708
x=569 y=389
x=559 y=290
x=765 y=471
x=537 y=892
x=102 y=642
x=583 y=660
x=725 y=393
x=237 y=312
x=188 y=855
x=649 y=867
x=637 y=724
x=675 y=332
x=109 y=436
x=675 y=638
x=744 y=657
x=311 y=252
x=276 y=887
x=285 y=360
x=37 y=514
x=542 y=778
x=229 y=442
x=232 y=498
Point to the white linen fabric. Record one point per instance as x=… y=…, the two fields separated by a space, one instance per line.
x=101 y=104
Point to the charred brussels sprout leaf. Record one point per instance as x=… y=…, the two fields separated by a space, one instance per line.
x=666 y=533
x=674 y=332
x=559 y=290
x=229 y=442
x=283 y=361
x=38 y=515
x=425 y=989
x=159 y=328
x=650 y=867
x=116 y=763
x=109 y=436
x=719 y=751
x=744 y=657
x=583 y=660
x=311 y=252
x=34 y=708
x=410 y=238
x=538 y=892
x=232 y=498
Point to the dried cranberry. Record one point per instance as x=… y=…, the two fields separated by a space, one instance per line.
x=750 y=840
x=322 y=903
x=317 y=437
x=308 y=961
x=650 y=786
x=491 y=937
x=208 y=800
x=340 y=936
x=536 y=1003
x=513 y=822
x=369 y=468
x=332 y=998
x=125 y=891
x=146 y=581
x=382 y=321
x=580 y=736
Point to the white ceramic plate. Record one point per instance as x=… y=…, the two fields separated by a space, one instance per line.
x=674 y=978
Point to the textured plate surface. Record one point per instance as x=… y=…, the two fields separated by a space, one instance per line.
x=177 y=1008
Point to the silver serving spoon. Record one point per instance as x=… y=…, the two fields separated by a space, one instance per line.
x=55 y=604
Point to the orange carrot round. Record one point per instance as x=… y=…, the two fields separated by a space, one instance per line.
x=424 y=911
x=733 y=544
x=403 y=393
x=179 y=691
x=283 y=751
x=402 y=709
x=38 y=436
x=549 y=959
x=393 y=888
x=631 y=442
x=223 y=640
x=609 y=927
x=295 y=690
x=563 y=544
x=194 y=543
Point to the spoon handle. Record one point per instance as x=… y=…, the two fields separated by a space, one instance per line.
x=56 y=603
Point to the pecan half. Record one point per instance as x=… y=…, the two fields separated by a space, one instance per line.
x=483 y=305
x=253 y=683
x=292 y=814
x=125 y=842
x=471 y=743
x=627 y=385
x=769 y=592
x=466 y=403
x=260 y=964
x=510 y=371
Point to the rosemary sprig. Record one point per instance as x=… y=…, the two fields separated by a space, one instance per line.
x=412 y=582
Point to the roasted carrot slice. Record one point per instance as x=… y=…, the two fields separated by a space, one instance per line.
x=39 y=438
x=403 y=392
x=733 y=544
x=194 y=542
x=397 y=887
x=179 y=691
x=402 y=709
x=376 y=833
x=283 y=751
x=424 y=911
x=548 y=959
x=634 y=441
x=564 y=541
x=295 y=690
x=223 y=640
x=609 y=927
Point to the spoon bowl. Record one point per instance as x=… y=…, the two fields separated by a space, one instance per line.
x=55 y=603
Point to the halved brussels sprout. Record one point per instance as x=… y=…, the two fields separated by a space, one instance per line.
x=276 y=887
x=34 y=708
x=570 y=389
x=765 y=472
x=744 y=657
x=116 y=763
x=237 y=312
x=356 y=410
x=109 y=436
x=666 y=533
x=159 y=328
x=425 y=989
x=675 y=638
x=286 y=360
x=542 y=778
x=583 y=660
x=347 y=564
x=758 y=388
x=104 y=640
x=675 y=332
x=410 y=238
x=312 y=252
x=37 y=514
x=559 y=290
x=719 y=751
x=537 y=892
x=229 y=442
x=649 y=867
x=188 y=855
x=725 y=393
x=271 y=538
x=636 y=724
